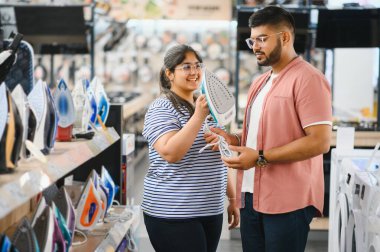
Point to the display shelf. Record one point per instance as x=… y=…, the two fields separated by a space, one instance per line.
x=32 y=176
x=107 y=236
x=137 y=104
x=362 y=138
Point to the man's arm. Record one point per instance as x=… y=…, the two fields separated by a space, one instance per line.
x=316 y=142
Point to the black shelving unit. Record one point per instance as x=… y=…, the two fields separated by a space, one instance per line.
x=56 y=29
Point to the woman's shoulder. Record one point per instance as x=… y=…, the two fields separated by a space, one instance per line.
x=161 y=104
x=161 y=101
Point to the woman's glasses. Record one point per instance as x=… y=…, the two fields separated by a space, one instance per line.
x=189 y=68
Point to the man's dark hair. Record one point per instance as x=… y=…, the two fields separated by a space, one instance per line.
x=272 y=15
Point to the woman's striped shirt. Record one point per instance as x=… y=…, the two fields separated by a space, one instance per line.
x=195 y=185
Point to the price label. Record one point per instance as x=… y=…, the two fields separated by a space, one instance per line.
x=100 y=142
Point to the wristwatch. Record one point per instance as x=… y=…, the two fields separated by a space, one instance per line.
x=261 y=161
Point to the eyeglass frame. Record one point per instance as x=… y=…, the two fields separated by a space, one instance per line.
x=260 y=39
x=193 y=67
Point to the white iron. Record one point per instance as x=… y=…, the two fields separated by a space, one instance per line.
x=38 y=103
x=219 y=98
x=82 y=108
x=22 y=104
x=89 y=208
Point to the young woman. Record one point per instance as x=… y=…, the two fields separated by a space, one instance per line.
x=184 y=190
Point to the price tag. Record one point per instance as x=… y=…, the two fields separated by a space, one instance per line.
x=100 y=141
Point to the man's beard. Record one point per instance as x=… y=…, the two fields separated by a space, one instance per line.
x=273 y=57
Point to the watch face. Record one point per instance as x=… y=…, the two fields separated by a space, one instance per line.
x=261 y=161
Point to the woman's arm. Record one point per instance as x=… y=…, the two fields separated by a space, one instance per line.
x=232 y=209
x=174 y=145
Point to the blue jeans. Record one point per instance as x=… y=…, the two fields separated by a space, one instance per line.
x=274 y=232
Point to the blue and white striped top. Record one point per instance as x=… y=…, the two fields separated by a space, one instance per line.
x=192 y=187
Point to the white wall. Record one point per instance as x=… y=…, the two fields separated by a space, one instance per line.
x=355 y=73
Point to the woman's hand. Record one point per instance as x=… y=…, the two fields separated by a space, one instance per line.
x=212 y=137
x=201 y=108
x=233 y=214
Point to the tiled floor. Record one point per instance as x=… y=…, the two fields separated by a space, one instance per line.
x=235 y=246
x=225 y=245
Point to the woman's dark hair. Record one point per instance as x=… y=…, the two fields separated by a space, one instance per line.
x=173 y=57
x=272 y=15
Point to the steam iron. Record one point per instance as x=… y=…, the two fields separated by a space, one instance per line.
x=6 y=245
x=63 y=202
x=24 y=238
x=18 y=130
x=11 y=131
x=63 y=236
x=66 y=112
x=82 y=108
x=32 y=127
x=101 y=99
x=221 y=103
x=102 y=190
x=89 y=208
x=40 y=208
x=220 y=100
x=22 y=104
x=110 y=184
x=52 y=119
x=38 y=103
x=91 y=98
x=8 y=57
x=43 y=226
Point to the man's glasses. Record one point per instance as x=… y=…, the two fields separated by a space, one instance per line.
x=188 y=68
x=251 y=42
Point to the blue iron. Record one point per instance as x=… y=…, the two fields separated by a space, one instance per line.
x=6 y=245
x=91 y=98
x=66 y=111
x=101 y=99
x=110 y=184
x=65 y=105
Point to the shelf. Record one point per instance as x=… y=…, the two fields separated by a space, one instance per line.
x=113 y=232
x=137 y=104
x=32 y=176
x=362 y=138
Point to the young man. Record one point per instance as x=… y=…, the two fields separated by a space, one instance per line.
x=287 y=128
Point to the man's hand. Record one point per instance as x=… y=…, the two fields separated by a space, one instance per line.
x=233 y=214
x=245 y=160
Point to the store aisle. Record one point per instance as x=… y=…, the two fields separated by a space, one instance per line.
x=225 y=245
